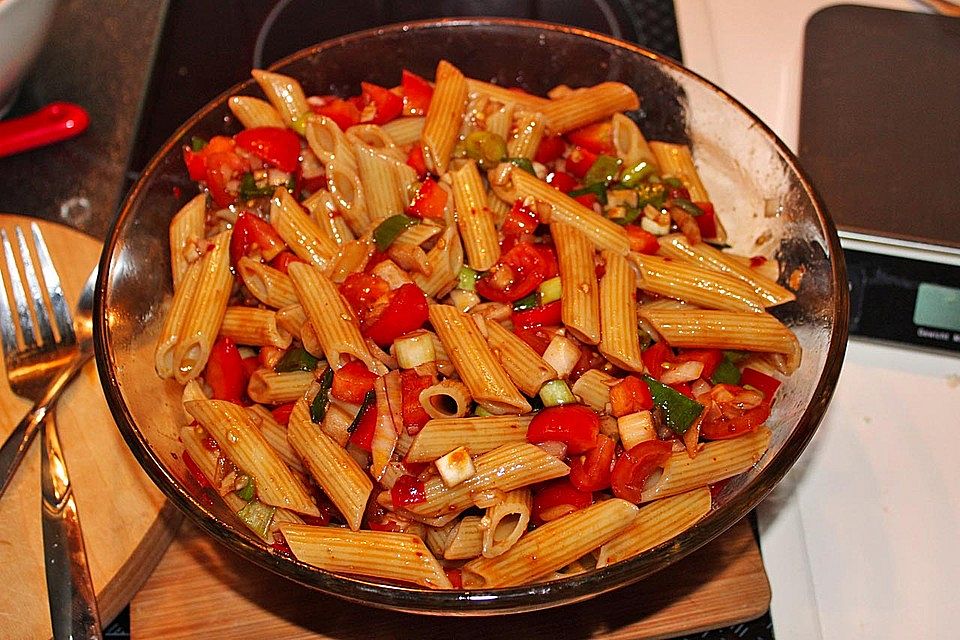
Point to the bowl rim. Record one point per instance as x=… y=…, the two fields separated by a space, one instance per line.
x=481 y=601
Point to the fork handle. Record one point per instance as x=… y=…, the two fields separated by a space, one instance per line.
x=73 y=600
x=18 y=442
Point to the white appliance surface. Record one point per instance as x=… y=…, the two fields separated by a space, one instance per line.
x=862 y=538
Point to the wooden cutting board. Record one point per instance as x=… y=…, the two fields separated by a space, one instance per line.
x=127 y=522
x=202 y=590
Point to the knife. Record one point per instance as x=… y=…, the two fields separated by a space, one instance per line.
x=73 y=601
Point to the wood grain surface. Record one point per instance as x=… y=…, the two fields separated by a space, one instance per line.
x=126 y=521
x=202 y=590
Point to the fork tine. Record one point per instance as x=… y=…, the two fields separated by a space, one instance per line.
x=19 y=296
x=61 y=312
x=33 y=286
x=8 y=332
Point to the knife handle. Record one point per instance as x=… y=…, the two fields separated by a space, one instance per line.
x=70 y=591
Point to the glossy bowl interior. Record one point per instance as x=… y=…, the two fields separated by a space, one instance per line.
x=767 y=204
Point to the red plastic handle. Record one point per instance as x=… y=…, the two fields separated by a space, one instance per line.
x=53 y=123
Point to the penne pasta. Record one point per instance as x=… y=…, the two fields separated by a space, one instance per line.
x=253 y=326
x=286 y=95
x=703 y=287
x=269 y=387
x=404 y=131
x=254 y=112
x=525 y=367
x=474 y=219
x=505 y=95
x=187 y=231
x=270 y=286
x=444 y=262
x=580 y=300
x=619 y=336
x=383 y=189
x=632 y=148
x=505 y=522
x=300 y=233
x=478 y=434
x=593 y=388
x=676 y=160
x=444 y=115
x=524 y=143
x=446 y=399
x=580 y=108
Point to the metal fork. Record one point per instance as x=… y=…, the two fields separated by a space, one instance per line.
x=31 y=365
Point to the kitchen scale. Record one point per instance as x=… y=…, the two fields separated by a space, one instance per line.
x=880 y=138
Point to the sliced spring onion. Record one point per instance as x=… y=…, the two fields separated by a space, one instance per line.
x=249 y=188
x=604 y=169
x=414 y=349
x=296 y=359
x=480 y=412
x=679 y=411
x=486 y=147
x=527 y=302
x=726 y=372
x=687 y=206
x=388 y=230
x=638 y=173
x=467 y=279
x=318 y=408
x=556 y=392
x=652 y=194
x=523 y=163
x=369 y=400
x=630 y=216
x=562 y=354
x=550 y=290
x=673 y=182
x=598 y=189
x=258 y=516
x=246 y=488
x=197 y=143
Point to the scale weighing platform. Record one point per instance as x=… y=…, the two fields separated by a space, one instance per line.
x=880 y=138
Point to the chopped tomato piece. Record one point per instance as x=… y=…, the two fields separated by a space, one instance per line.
x=586 y=199
x=225 y=372
x=635 y=466
x=550 y=148
x=254 y=236
x=592 y=471
x=544 y=315
x=283 y=259
x=655 y=356
x=344 y=113
x=710 y=358
x=519 y=272
x=415 y=160
x=596 y=137
x=276 y=145
x=537 y=339
x=707 y=221
x=579 y=161
x=561 y=181
x=388 y=104
x=429 y=201
x=682 y=388
x=767 y=385
x=406 y=311
x=408 y=490
x=417 y=93
x=195 y=471
x=520 y=221
x=576 y=425
x=195 y=164
x=222 y=166
x=411 y=384
x=551 y=267
x=352 y=381
x=629 y=396
x=557 y=498
x=642 y=241
x=282 y=413
x=455 y=576
x=363 y=435
x=362 y=291
x=733 y=413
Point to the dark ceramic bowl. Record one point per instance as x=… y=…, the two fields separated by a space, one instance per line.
x=768 y=204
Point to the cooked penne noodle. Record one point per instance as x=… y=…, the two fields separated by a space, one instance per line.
x=208 y=303
x=270 y=286
x=703 y=287
x=676 y=160
x=327 y=140
x=619 y=336
x=343 y=480
x=300 y=233
x=385 y=432
x=603 y=233
x=404 y=131
x=331 y=317
x=593 y=388
x=524 y=366
x=187 y=231
x=505 y=468
x=269 y=387
x=343 y=181
x=580 y=300
x=377 y=139
x=171 y=332
x=632 y=148
x=500 y=120
x=444 y=116
x=479 y=369
x=478 y=434
x=254 y=112
x=246 y=447
x=710 y=329
x=525 y=142
x=324 y=211
x=474 y=219
x=384 y=192
x=676 y=246
x=445 y=261
x=275 y=434
x=291 y=319
x=253 y=326
x=656 y=523
x=446 y=399
x=716 y=461
x=588 y=105
x=505 y=522
x=505 y=95
x=407 y=252
x=380 y=554
x=353 y=257
x=465 y=539
x=552 y=546
x=286 y=95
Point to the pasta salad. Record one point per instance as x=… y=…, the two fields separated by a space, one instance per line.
x=454 y=335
